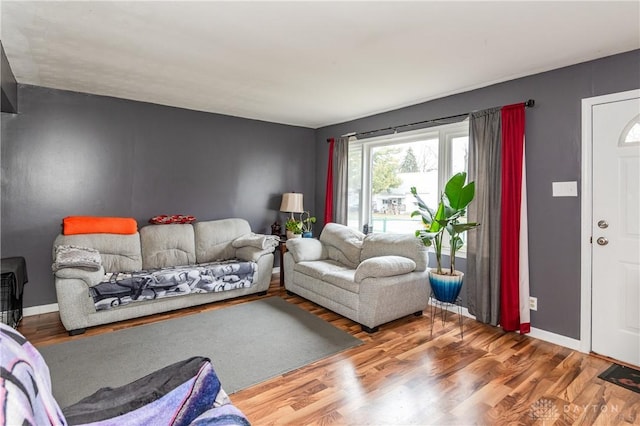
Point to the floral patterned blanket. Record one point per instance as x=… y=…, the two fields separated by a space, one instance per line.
x=122 y=288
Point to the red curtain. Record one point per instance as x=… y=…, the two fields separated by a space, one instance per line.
x=328 y=201
x=512 y=154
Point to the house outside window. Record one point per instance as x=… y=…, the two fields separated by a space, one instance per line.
x=383 y=169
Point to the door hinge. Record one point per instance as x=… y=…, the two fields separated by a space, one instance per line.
x=590 y=240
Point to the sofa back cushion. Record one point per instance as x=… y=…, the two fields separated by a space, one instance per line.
x=213 y=238
x=384 y=266
x=343 y=243
x=306 y=249
x=167 y=245
x=119 y=253
x=396 y=245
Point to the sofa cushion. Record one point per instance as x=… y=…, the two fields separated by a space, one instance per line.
x=214 y=238
x=344 y=244
x=384 y=266
x=404 y=245
x=167 y=245
x=119 y=253
x=344 y=279
x=318 y=269
x=305 y=249
x=326 y=294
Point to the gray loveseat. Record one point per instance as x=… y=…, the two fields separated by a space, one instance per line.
x=371 y=279
x=154 y=246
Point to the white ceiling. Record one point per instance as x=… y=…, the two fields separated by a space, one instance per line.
x=303 y=63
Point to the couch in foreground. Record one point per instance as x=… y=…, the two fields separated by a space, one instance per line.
x=156 y=247
x=184 y=393
x=371 y=279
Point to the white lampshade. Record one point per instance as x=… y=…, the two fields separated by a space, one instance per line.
x=291 y=202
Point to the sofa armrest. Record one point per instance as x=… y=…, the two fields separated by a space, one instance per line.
x=306 y=249
x=249 y=253
x=260 y=241
x=91 y=278
x=384 y=266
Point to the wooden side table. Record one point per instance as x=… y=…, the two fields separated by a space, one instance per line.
x=282 y=247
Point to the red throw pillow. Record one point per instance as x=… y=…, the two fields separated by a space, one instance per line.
x=164 y=219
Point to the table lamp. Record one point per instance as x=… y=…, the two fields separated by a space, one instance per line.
x=291 y=203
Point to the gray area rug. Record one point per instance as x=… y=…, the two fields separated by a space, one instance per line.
x=247 y=343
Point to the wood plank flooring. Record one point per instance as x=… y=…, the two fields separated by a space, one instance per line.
x=403 y=376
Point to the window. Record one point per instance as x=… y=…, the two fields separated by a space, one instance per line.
x=383 y=169
x=631 y=133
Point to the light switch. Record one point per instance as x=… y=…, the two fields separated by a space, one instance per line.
x=565 y=189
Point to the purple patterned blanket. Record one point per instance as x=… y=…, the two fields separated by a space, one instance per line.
x=185 y=393
x=123 y=288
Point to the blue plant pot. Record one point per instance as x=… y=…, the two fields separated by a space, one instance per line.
x=307 y=234
x=446 y=288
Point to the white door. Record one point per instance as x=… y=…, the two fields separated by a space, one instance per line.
x=615 y=228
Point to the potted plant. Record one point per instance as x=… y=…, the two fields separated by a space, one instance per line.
x=454 y=200
x=307 y=224
x=293 y=227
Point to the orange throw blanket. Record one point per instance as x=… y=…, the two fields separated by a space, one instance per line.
x=72 y=225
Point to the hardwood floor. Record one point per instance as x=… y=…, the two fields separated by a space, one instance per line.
x=402 y=376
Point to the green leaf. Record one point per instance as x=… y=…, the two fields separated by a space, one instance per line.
x=426 y=237
x=426 y=218
x=462 y=227
x=456 y=243
x=421 y=204
x=457 y=194
x=439 y=219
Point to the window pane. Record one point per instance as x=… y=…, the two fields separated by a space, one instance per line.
x=426 y=182
x=459 y=154
x=394 y=170
x=354 y=176
x=633 y=136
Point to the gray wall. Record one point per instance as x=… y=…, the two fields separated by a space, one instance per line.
x=8 y=85
x=553 y=150
x=69 y=153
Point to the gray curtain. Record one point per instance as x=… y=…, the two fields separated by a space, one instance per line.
x=483 y=248
x=340 y=183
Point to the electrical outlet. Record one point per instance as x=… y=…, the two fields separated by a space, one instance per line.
x=533 y=303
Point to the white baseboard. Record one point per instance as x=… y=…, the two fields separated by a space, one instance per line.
x=40 y=309
x=558 y=339
x=536 y=333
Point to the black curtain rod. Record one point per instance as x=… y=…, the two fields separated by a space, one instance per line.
x=530 y=103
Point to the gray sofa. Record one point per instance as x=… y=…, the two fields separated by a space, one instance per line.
x=371 y=279
x=154 y=246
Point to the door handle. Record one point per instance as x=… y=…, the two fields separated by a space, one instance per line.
x=602 y=241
